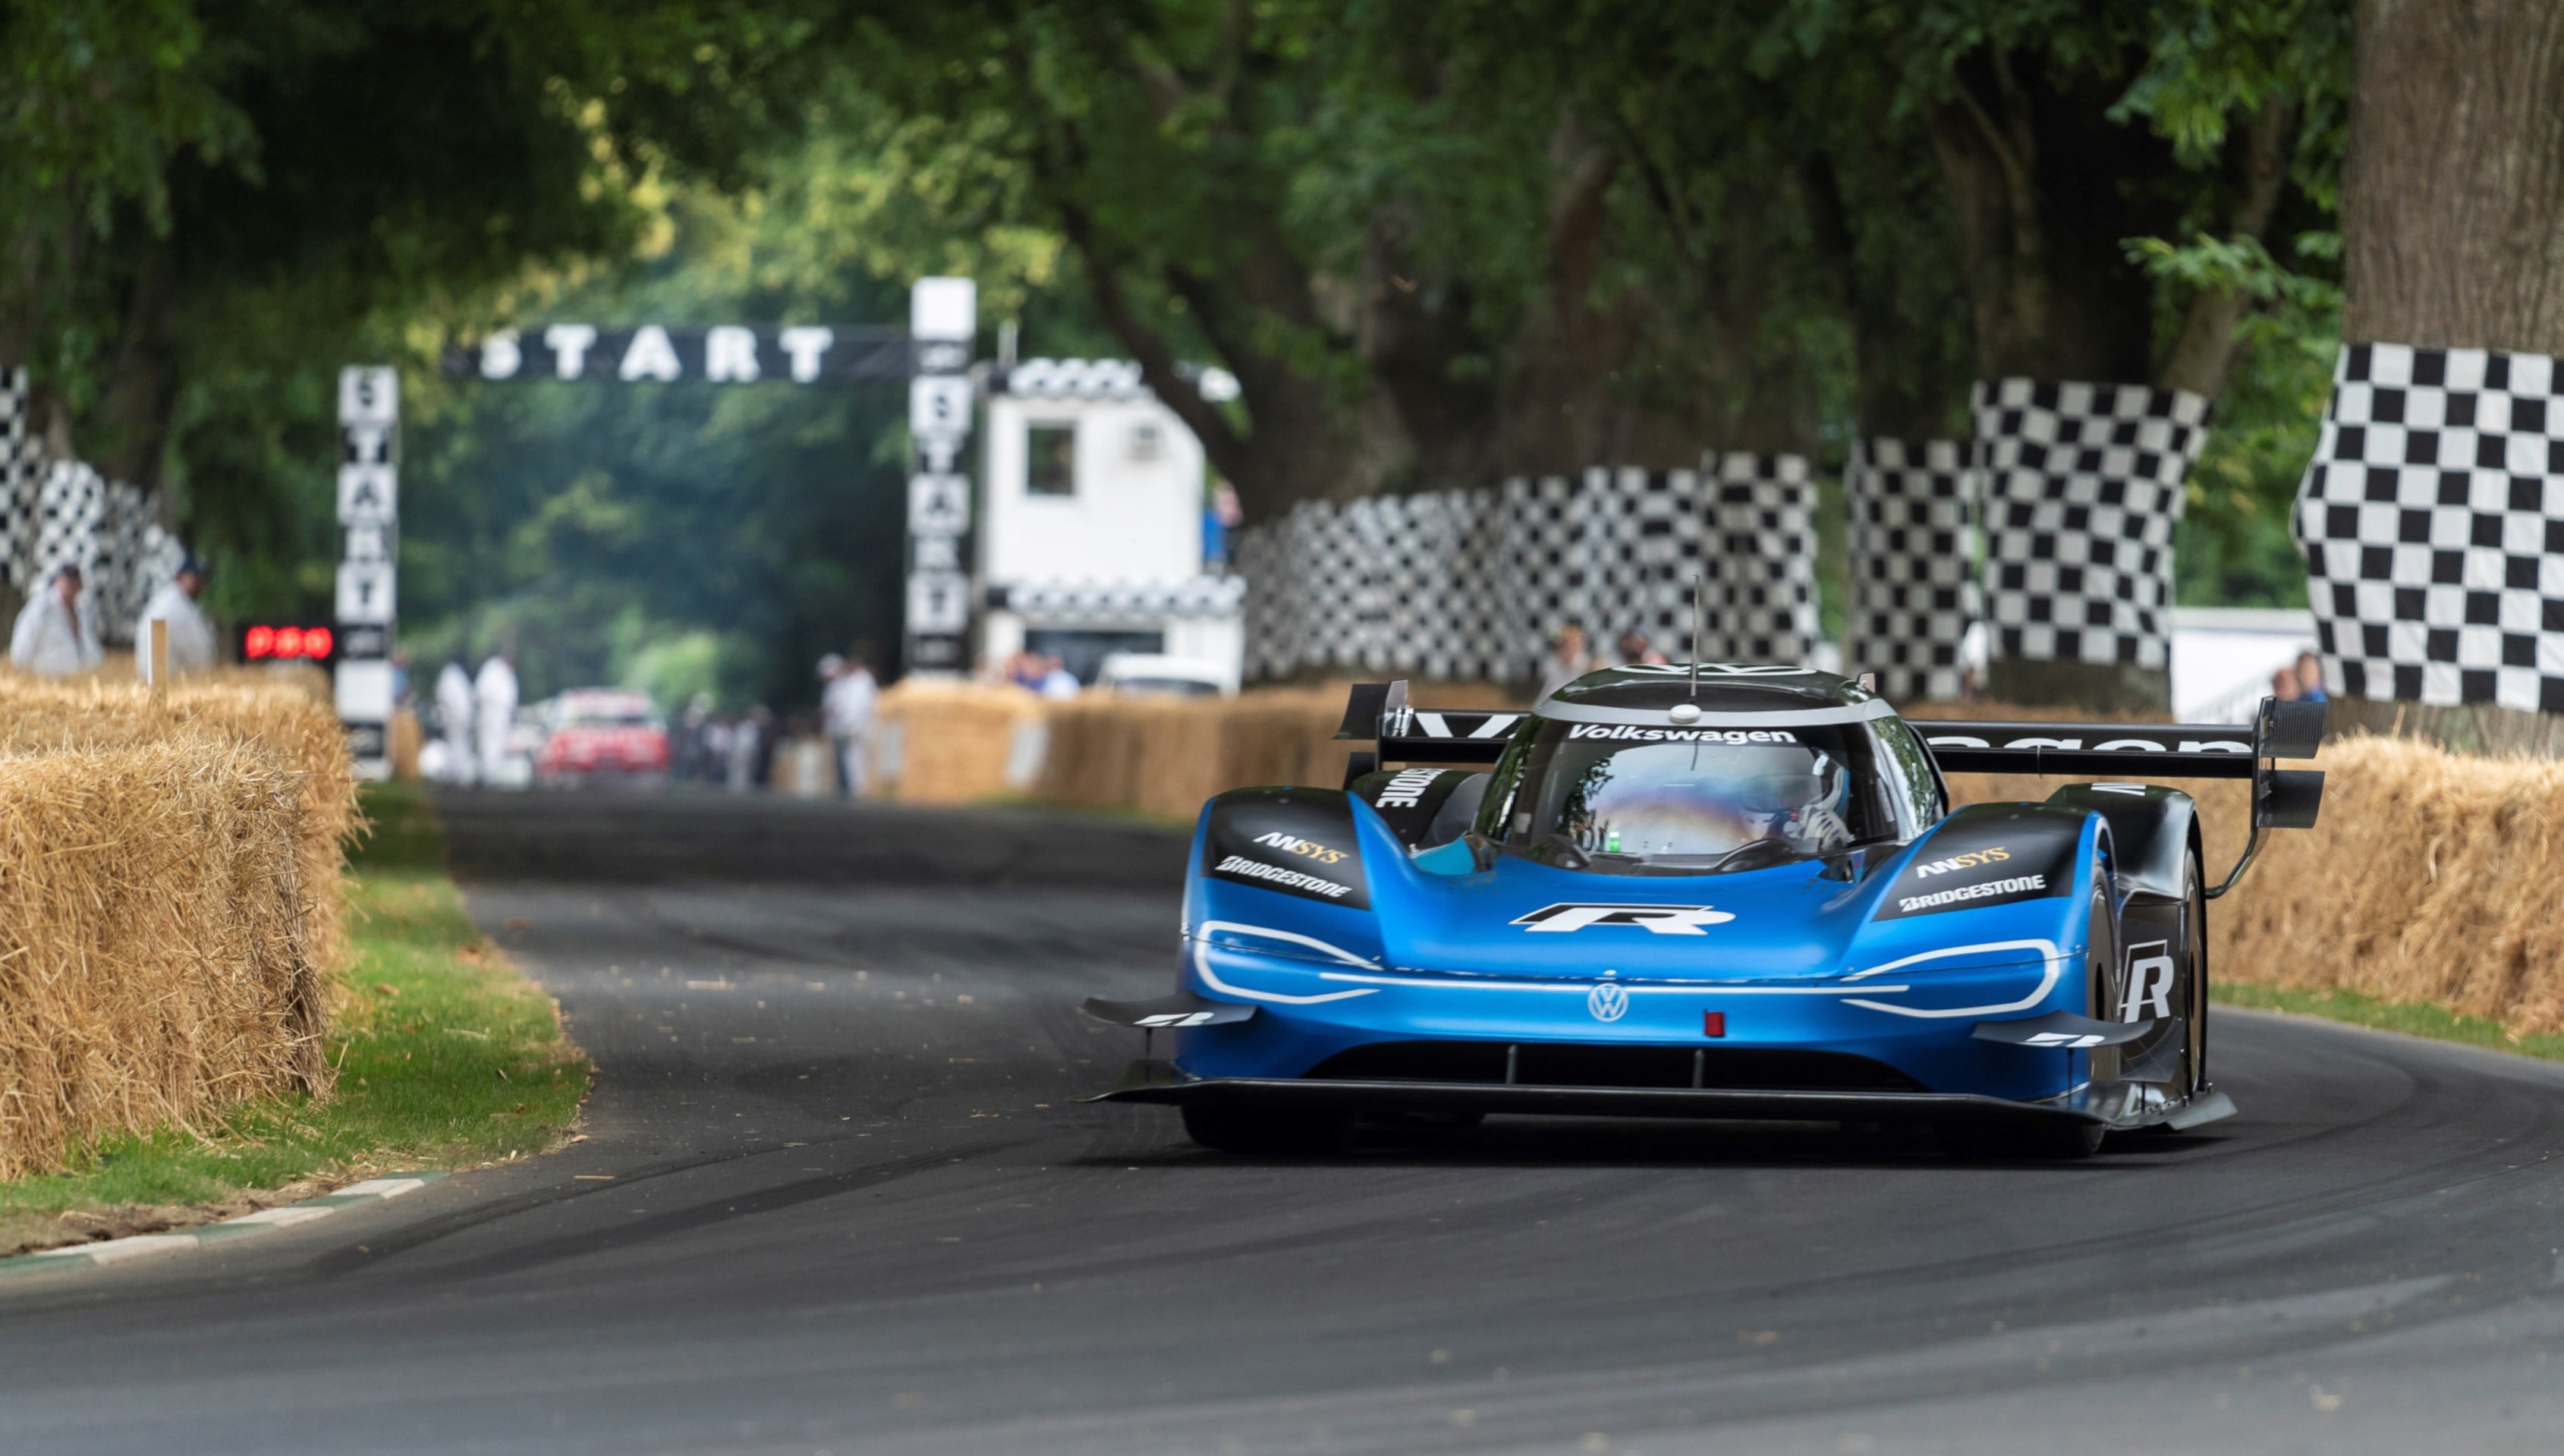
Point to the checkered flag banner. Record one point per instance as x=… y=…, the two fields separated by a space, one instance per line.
x=21 y=476
x=1763 y=569
x=69 y=510
x=1913 y=539
x=2433 y=520
x=1260 y=558
x=1466 y=584
x=2083 y=486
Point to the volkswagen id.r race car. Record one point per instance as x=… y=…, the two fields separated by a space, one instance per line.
x=1713 y=892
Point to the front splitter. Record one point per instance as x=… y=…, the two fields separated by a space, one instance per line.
x=1153 y=1082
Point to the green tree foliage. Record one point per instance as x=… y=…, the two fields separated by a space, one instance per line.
x=1435 y=243
x=219 y=201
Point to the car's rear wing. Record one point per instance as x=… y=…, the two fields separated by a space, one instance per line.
x=1378 y=713
x=2283 y=798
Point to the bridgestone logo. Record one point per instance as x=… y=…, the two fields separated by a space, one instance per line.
x=1240 y=865
x=2018 y=883
x=1407 y=790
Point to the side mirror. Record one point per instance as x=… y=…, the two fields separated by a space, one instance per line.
x=2290 y=798
x=2292 y=729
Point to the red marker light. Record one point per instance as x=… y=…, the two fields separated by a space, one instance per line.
x=317 y=642
x=1713 y=1023
x=289 y=642
x=260 y=642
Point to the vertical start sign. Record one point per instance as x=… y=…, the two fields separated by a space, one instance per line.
x=943 y=321
x=369 y=517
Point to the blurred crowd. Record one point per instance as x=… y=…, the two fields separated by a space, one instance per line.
x=57 y=632
x=2300 y=681
x=1040 y=674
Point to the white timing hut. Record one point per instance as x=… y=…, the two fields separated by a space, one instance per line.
x=1091 y=531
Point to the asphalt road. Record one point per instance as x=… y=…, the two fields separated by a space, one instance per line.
x=834 y=1198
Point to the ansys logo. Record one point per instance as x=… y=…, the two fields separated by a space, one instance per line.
x=1661 y=919
x=1307 y=848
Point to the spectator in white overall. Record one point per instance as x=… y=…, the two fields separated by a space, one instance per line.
x=191 y=633
x=53 y=636
x=494 y=694
x=846 y=705
x=454 y=717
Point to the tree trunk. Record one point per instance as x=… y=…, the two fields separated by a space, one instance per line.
x=2452 y=231
x=2452 y=194
x=144 y=387
x=1558 y=415
x=2048 y=187
x=2041 y=180
x=1906 y=383
x=2204 y=349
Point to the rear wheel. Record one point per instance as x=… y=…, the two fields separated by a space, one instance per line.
x=1265 y=1129
x=2193 y=939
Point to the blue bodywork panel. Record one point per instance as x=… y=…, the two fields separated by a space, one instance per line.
x=1304 y=904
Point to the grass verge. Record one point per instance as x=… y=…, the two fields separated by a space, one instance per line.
x=2384 y=1015
x=445 y=1059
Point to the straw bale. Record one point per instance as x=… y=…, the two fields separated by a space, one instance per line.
x=270 y=713
x=955 y=739
x=1163 y=756
x=153 y=967
x=2434 y=877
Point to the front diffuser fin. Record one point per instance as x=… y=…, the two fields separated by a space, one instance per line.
x=2066 y=1030
x=1166 y=1013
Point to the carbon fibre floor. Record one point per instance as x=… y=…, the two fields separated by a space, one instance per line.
x=835 y=1198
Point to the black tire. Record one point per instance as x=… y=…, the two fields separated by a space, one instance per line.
x=2059 y=1140
x=2194 y=934
x=1268 y=1131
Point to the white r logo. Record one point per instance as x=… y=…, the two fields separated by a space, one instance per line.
x=2149 y=983
x=1661 y=919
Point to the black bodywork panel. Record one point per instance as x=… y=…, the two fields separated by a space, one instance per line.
x=1294 y=841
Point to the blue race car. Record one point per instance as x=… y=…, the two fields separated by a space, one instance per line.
x=1710 y=892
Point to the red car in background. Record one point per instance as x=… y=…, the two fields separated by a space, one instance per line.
x=599 y=732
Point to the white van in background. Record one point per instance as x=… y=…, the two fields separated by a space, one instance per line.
x=1156 y=674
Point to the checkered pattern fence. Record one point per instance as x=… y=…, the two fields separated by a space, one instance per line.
x=1914 y=589
x=21 y=474
x=1763 y=570
x=2433 y=520
x=1468 y=583
x=2083 y=486
x=59 y=512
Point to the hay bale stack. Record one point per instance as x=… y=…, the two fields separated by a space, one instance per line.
x=274 y=714
x=1164 y=755
x=2431 y=878
x=948 y=742
x=153 y=967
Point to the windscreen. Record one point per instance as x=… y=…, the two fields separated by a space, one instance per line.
x=1667 y=800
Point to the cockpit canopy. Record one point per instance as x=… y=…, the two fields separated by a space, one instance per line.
x=1631 y=770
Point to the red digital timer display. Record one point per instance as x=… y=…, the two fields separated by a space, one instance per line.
x=268 y=643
